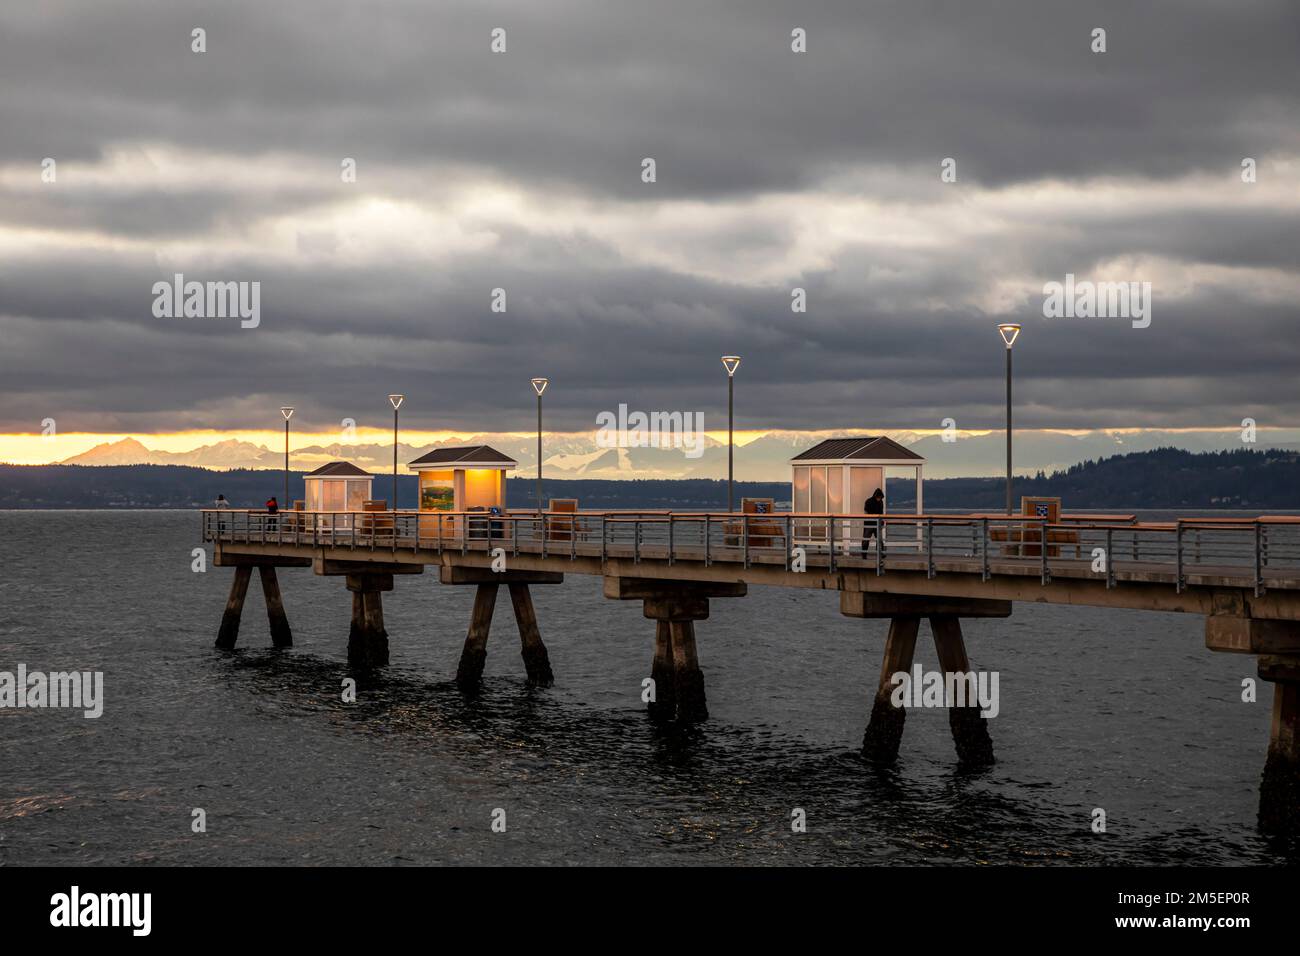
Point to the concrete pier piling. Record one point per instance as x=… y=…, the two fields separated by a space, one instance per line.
x=281 y=635
x=228 y=633
x=884 y=730
x=1279 y=789
x=970 y=732
x=675 y=606
x=473 y=656
x=367 y=638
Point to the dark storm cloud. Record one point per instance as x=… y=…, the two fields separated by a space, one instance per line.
x=587 y=89
x=894 y=336
x=336 y=344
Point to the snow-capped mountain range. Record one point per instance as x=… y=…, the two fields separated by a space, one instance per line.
x=574 y=455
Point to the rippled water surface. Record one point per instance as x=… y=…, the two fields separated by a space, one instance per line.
x=1120 y=710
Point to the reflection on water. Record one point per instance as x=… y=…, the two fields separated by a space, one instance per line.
x=1117 y=710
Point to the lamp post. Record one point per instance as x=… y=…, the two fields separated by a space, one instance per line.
x=287 y=412
x=396 y=402
x=1009 y=331
x=730 y=363
x=539 y=386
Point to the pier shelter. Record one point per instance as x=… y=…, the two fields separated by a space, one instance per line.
x=838 y=475
x=339 y=486
x=461 y=479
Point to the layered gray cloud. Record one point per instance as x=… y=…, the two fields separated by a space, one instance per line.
x=522 y=171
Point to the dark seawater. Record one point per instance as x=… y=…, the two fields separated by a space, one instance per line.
x=1115 y=709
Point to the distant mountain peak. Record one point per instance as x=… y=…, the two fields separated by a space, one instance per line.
x=124 y=451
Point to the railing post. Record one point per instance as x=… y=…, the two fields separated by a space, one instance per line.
x=929 y=547
x=1110 y=558
x=636 y=540
x=604 y=551
x=1045 y=577
x=707 y=557
x=789 y=523
x=984 y=549
x=880 y=547
x=670 y=539
x=1259 y=558
x=1178 y=550
x=830 y=527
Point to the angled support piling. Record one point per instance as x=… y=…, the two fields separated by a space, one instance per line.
x=885 y=726
x=537 y=663
x=473 y=657
x=884 y=731
x=281 y=635
x=229 y=631
x=970 y=731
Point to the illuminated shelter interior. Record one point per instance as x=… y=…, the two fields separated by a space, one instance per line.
x=462 y=478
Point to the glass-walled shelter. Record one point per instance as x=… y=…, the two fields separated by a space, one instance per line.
x=837 y=476
x=338 y=489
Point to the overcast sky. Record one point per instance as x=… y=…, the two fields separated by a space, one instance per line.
x=522 y=170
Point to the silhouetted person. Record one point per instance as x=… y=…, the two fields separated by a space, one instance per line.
x=221 y=504
x=875 y=505
x=272 y=508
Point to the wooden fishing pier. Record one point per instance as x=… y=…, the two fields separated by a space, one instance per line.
x=1242 y=575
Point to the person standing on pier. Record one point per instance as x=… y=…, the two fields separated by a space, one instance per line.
x=272 y=508
x=875 y=505
x=221 y=504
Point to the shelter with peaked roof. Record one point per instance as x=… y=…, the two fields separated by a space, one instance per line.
x=337 y=486
x=462 y=478
x=838 y=475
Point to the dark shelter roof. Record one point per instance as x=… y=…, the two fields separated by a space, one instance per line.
x=877 y=447
x=479 y=454
x=338 y=469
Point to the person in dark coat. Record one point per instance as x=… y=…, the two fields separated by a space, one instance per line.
x=875 y=505
x=272 y=508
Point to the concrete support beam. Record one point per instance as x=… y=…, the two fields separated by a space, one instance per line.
x=460 y=574
x=641 y=589
x=221 y=559
x=331 y=567
x=869 y=604
x=1247 y=635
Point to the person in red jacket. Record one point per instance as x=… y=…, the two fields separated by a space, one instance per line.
x=272 y=508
